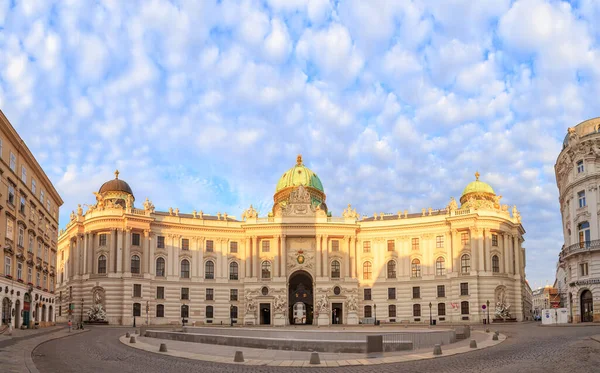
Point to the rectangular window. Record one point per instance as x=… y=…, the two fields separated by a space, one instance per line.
x=209 y=312
x=13 y=162
x=581 y=196
x=21 y=238
x=30 y=275
x=33 y=186
x=583 y=269
x=391 y=293
x=464 y=238
x=160 y=242
x=439 y=242
x=135 y=239
x=579 y=167
x=392 y=310
x=367 y=294
x=37 y=279
x=441 y=291
x=10 y=229
x=416 y=310
x=233 y=247
x=42 y=197
x=24 y=174
x=441 y=309
x=185 y=293
x=137 y=290
x=367 y=247
x=48 y=204
x=210 y=294
x=415 y=244
x=368 y=312
x=160 y=292
x=416 y=293
x=391 y=245
x=185 y=311
x=335 y=245
x=19 y=271
x=185 y=244
x=234 y=312
x=160 y=310
x=137 y=309
x=494 y=240
x=11 y=195
x=102 y=239
x=266 y=246
x=7 y=265
x=464 y=288
x=209 y=246
x=45 y=281
x=464 y=308
x=22 y=205
x=233 y=295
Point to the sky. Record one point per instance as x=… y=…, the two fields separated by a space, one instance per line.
x=394 y=104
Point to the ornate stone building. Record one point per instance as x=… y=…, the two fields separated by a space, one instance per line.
x=297 y=265
x=29 y=229
x=578 y=176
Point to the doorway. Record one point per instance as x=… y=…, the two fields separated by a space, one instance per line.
x=5 y=311
x=587 y=306
x=265 y=313
x=26 y=309
x=337 y=316
x=300 y=300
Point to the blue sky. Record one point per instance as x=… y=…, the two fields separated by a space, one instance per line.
x=393 y=104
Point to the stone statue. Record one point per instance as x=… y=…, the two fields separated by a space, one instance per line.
x=99 y=201
x=225 y=216
x=573 y=136
x=129 y=202
x=349 y=213
x=250 y=213
x=72 y=215
x=322 y=304
x=148 y=206
x=79 y=210
x=201 y=215
x=502 y=306
x=280 y=305
x=250 y=305
x=452 y=206
x=170 y=211
x=177 y=211
x=352 y=303
x=194 y=213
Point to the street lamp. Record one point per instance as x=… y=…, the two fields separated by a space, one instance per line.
x=430 y=318
x=488 y=311
x=375 y=308
x=81 y=313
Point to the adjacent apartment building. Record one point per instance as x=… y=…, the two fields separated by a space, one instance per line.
x=29 y=206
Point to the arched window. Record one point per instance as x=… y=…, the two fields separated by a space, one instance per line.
x=416 y=310
x=495 y=264
x=464 y=307
x=465 y=263
x=266 y=269
x=368 y=312
x=102 y=264
x=416 y=268
x=185 y=311
x=367 y=270
x=233 y=271
x=440 y=266
x=209 y=270
x=160 y=267
x=392 y=310
x=135 y=264
x=160 y=310
x=137 y=309
x=185 y=268
x=335 y=269
x=209 y=312
x=391 y=269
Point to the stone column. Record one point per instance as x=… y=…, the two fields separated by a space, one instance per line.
x=84 y=269
x=325 y=266
x=127 y=253
x=486 y=250
x=592 y=207
x=170 y=255
x=255 y=256
x=119 y=250
x=146 y=250
x=91 y=253
x=201 y=245
x=352 y=254
x=277 y=258
x=78 y=255
x=112 y=254
x=151 y=251
x=248 y=257
x=517 y=247
x=475 y=256
x=347 y=261
x=574 y=229
x=283 y=258
x=318 y=256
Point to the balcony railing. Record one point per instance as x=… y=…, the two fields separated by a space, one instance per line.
x=580 y=247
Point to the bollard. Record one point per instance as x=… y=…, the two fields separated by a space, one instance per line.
x=473 y=343
x=487 y=330
x=127 y=335
x=437 y=350
x=132 y=339
x=497 y=332
x=314 y=358
x=163 y=347
x=239 y=357
x=495 y=337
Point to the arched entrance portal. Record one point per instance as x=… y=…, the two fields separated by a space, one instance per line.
x=587 y=308
x=26 y=309
x=301 y=298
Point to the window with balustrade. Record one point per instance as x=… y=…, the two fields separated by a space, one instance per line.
x=440 y=266
x=160 y=267
x=391 y=269
x=102 y=264
x=209 y=270
x=265 y=270
x=233 y=271
x=367 y=270
x=185 y=268
x=135 y=264
x=465 y=263
x=495 y=264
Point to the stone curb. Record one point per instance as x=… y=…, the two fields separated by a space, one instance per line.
x=595 y=338
x=324 y=363
x=29 y=356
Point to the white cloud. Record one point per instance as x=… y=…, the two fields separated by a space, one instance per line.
x=278 y=44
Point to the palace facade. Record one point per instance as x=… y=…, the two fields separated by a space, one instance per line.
x=29 y=207
x=297 y=265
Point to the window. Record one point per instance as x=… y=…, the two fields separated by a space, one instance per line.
x=464 y=288
x=30 y=275
x=185 y=268
x=335 y=245
x=367 y=294
x=21 y=237
x=22 y=205
x=494 y=240
x=416 y=292
x=160 y=242
x=464 y=308
x=185 y=311
x=416 y=310
x=233 y=271
x=392 y=310
x=10 y=227
x=102 y=239
x=160 y=310
x=137 y=290
x=439 y=242
x=209 y=270
x=368 y=312
x=48 y=204
x=160 y=267
x=335 y=269
x=102 y=264
x=185 y=293
x=37 y=279
x=30 y=248
x=209 y=246
x=160 y=292
x=135 y=239
x=581 y=197
x=584 y=234
x=234 y=312
x=465 y=263
x=583 y=269
x=19 y=271
x=495 y=264
x=416 y=268
x=266 y=246
x=266 y=270
x=13 y=162
x=233 y=247
x=210 y=294
x=137 y=309
x=415 y=244
x=209 y=312
x=45 y=282
x=185 y=244
x=391 y=245
x=42 y=197
x=440 y=266
x=391 y=293
x=579 y=167
x=11 y=195
x=441 y=309
x=33 y=186
x=367 y=270
x=367 y=247
x=135 y=264
x=391 y=269
x=441 y=291
x=233 y=295
x=464 y=238
x=7 y=265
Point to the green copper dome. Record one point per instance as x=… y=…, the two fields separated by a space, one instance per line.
x=299 y=175
x=478 y=187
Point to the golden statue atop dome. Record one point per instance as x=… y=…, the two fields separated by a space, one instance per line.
x=477 y=175
x=117 y=174
x=299 y=159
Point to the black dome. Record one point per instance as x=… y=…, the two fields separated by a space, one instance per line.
x=116 y=185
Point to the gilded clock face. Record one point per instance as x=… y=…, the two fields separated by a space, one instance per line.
x=300 y=259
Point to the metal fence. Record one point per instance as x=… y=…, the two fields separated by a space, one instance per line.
x=423 y=339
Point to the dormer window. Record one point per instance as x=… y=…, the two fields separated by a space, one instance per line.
x=580 y=167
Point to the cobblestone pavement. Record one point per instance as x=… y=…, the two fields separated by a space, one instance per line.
x=530 y=348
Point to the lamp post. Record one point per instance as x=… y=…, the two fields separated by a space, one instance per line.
x=375 y=308
x=488 y=311
x=430 y=317
x=231 y=314
x=81 y=313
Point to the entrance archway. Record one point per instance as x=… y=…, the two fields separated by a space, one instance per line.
x=18 y=314
x=5 y=311
x=587 y=306
x=301 y=300
x=26 y=309
x=50 y=314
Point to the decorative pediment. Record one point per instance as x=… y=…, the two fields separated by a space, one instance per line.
x=298 y=204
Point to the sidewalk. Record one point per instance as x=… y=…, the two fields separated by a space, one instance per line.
x=254 y=356
x=17 y=349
